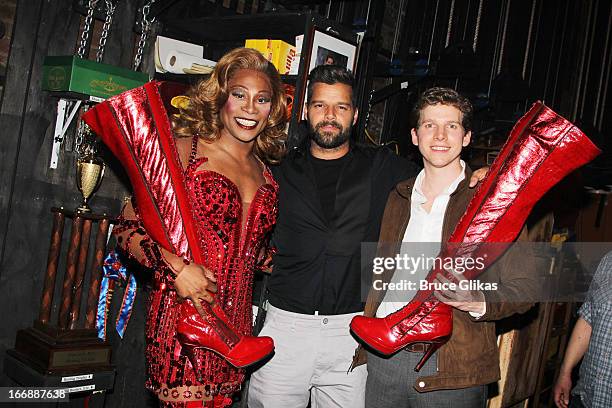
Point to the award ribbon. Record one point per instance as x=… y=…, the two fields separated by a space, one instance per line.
x=114 y=269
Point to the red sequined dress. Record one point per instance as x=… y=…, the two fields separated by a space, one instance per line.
x=232 y=251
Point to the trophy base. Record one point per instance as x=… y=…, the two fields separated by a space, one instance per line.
x=53 y=351
x=23 y=374
x=83 y=209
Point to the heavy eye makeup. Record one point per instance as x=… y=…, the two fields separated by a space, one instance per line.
x=264 y=99
x=241 y=93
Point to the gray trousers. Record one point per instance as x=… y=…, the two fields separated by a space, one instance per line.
x=391 y=382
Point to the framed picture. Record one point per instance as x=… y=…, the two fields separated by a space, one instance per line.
x=328 y=49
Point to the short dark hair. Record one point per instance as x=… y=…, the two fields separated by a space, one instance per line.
x=444 y=96
x=330 y=75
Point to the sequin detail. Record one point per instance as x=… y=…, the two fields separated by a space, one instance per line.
x=231 y=250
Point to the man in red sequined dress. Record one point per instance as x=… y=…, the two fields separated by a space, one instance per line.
x=233 y=123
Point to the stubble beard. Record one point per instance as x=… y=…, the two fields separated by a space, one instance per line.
x=329 y=140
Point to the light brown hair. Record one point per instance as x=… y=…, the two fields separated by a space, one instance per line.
x=443 y=96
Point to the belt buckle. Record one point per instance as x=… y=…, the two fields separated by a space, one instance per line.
x=416 y=348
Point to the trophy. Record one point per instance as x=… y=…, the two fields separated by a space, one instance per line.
x=62 y=342
x=89 y=172
x=69 y=346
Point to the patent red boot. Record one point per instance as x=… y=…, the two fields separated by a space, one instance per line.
x=542 y=149
x=215 y=333
x=135 y=126
x=430 y=323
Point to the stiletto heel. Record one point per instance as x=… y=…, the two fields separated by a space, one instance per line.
x=189 y=351
x=431 y=320
x=433 y=346
x=541 y=150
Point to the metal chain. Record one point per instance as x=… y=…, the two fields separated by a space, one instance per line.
x=108 y=20
x=503 y=39
x=146 y=27
x=87 y=28
x=529 y=34
x=369 y=110
x=496 y=50
x=433 y=32
x=398 y=25
x=477 y=28
x=450 y=23
x=80 y=145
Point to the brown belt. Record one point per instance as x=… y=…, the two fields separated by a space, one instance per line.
x=416 y=348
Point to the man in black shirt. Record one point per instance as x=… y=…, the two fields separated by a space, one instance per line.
x=332 y=196
x=331 y=199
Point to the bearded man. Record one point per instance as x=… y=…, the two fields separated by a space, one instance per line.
x=332 y=194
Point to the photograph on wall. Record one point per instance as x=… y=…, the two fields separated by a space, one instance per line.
x=330 y=50
x=329 y=57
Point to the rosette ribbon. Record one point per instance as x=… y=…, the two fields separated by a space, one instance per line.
x=136 y=128
x=114 y=270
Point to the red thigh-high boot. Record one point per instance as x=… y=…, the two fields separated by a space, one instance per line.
x=135 y=127
x=541 y=150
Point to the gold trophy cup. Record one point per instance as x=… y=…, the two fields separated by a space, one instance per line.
x=90 y=170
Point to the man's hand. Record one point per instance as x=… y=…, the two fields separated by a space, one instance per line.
x=196 y=283
x=562 y=389
x=465 y=300
x=478 y=176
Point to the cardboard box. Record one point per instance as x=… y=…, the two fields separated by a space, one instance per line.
x=71 y=74
x=295 y=65
x=278 y=52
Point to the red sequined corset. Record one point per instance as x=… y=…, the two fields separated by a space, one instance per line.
x=231 y=248
x=232 y=251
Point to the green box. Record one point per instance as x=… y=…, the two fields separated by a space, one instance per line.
x=71 y=74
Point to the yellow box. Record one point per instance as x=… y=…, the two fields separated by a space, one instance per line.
x=278 y=52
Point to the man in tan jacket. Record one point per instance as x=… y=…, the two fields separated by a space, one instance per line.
x=426 y=209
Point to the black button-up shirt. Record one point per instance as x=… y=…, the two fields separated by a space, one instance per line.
x=317 y=263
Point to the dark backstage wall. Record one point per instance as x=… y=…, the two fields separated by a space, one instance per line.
x=503 y=54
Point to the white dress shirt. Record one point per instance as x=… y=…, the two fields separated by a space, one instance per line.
x=425 y=232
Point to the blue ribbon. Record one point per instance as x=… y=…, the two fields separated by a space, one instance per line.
x=114 y=269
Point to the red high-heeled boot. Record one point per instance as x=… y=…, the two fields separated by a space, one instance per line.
x=214 y=332
x=542 y=149
x=431 y=324
x=135 y=127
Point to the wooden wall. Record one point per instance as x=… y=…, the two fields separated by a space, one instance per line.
x=7 y=12
x=567 y=64
x=29 y=188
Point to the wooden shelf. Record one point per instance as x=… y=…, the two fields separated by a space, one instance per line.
x=282 y=26
x=189 y=79
x=218 y=35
